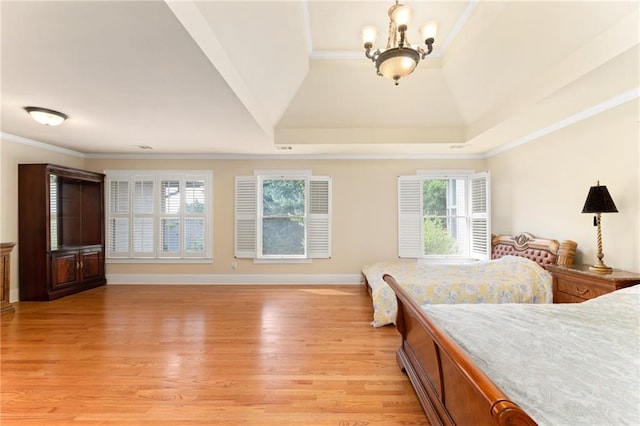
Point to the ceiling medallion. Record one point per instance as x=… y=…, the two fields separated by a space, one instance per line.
x=399 y=58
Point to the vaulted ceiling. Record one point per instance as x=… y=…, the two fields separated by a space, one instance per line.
x=290 y=77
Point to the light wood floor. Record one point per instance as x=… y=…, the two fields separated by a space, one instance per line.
x=233 y=355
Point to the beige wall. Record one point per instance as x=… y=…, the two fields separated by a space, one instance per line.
x=541 y=186
x=364 y=211
x=12 y=154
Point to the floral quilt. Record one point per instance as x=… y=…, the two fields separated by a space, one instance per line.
x=510 y=279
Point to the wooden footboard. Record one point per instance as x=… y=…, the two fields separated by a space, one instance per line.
x=450 y=387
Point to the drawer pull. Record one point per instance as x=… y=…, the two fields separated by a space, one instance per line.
x=581 y=291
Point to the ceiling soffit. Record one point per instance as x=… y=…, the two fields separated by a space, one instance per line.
x=478 y=89
x=122 y=84
x=260 y=49
x=294 y=72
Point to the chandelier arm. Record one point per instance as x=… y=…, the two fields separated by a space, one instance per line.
x=373 y=56
x=429 y=43
x=367 y=51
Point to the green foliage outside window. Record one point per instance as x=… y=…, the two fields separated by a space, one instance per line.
x=437 y=238
x=283 y=224
x=434 y=197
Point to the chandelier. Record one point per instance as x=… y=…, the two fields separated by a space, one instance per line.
x=399 y=58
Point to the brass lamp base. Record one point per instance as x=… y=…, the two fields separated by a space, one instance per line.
x=601 y=268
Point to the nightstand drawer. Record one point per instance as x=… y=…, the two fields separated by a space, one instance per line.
x=577 y=283
x=581 y=290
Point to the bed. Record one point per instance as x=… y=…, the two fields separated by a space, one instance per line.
x=524 y=364
x=515 y=274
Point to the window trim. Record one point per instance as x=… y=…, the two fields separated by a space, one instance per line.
x=411 y=217
x=317 y=226
x=157 y=255
x=260 y=179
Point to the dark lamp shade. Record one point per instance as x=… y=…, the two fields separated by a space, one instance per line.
x=599 y=201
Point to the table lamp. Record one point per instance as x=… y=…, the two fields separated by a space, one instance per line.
x=599 y=201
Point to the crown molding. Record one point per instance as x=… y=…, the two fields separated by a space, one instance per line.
x=575 y=118
x=41 y=145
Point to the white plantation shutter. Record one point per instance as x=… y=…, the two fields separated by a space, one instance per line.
x=170 y=200
x=118 y=231
x=195 y=211
x=245 y=217
x=53 y=211
x=170 y=231
x=318 y=223
x=143 y=195
x=143 y=237
x=170 y=217
x=119 y=201
x=143 y=217
x=194 y=232
x=195 y=195
x=410 y=221
x=158 y=215
x=319 y=217
x=480 y=215
x=119 y=196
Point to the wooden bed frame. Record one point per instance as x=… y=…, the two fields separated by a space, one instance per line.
x=543 y=251
x=450 y=387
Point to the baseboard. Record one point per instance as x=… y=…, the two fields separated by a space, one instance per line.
x=220 y=279
x=14 y=295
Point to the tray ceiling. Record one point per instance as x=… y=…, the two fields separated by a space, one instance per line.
x=249 y=77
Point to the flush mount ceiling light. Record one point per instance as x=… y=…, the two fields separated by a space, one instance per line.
x=48 y=117
x=399 y=58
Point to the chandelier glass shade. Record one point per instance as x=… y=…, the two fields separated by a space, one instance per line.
x=398 y=59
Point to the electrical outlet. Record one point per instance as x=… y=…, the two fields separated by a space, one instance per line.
x=234 y=265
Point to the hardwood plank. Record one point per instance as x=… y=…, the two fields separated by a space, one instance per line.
x=217 y=355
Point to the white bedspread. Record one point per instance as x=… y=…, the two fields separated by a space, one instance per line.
x=510 y=279
x=564 y=364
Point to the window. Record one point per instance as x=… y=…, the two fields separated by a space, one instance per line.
x=444 y=214
x=158 y=215
x=283 y=215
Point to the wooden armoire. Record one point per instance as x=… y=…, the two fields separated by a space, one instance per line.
x=60 y=231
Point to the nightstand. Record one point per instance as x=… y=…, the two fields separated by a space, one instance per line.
x=576 y=283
